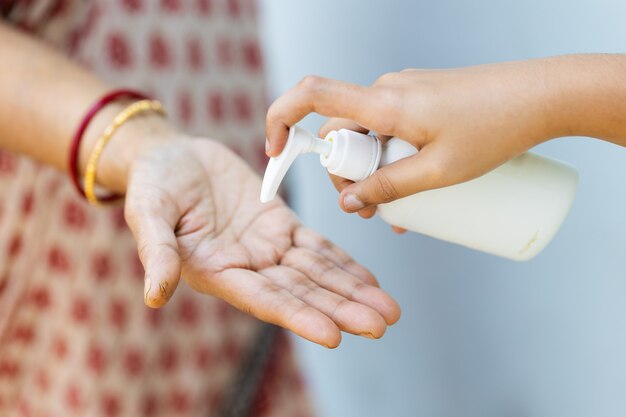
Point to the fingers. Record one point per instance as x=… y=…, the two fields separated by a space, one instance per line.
x=348 y=315
x=340 y=184
x=307 y=238
x=157 y=246
x=423 y=171
x=368 y=212
x=327 y=275
x=258 y=296
x=337 y=123
x=372 y=108
x=158 y=251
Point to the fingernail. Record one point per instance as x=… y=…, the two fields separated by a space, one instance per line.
x=352 y=203
x=147 y=285
x=267 y=146
x=368 y=335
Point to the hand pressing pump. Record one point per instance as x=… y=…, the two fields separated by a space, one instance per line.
x=513 y=211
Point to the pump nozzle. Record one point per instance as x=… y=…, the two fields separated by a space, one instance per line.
x=300 y=141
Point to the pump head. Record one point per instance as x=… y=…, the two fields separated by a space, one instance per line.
x=300 y=141
x=344 y=153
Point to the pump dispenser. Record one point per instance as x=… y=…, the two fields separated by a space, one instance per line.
x=344 y=153
x=512 y=211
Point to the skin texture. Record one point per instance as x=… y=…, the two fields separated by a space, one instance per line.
x=465 y=121
x=205 y=223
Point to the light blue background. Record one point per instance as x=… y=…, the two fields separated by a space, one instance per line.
x=479 y=336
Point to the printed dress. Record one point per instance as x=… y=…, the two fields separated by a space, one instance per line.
x=75 y=337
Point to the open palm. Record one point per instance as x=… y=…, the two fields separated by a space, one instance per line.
x=194 y=209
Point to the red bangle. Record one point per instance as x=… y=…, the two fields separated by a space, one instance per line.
x=78 y=136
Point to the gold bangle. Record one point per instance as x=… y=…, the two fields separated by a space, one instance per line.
x=128 y=113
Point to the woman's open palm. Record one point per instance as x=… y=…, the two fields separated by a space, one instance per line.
x=194 y=209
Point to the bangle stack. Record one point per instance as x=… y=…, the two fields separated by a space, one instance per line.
x=142 y=105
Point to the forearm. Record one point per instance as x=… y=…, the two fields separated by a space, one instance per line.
x=43 y=97
x=589 y=96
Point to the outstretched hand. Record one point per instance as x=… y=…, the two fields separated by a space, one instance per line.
x=194 y=209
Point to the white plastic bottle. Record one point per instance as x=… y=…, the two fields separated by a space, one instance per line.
x=513 y=211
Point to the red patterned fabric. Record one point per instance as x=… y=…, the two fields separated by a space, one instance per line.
x=75 y=337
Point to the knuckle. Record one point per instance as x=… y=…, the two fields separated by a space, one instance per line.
x=318 y=268
x=291 y=320
x=303 y=289
x=142 y=250
x=145 y=250
x=387 y=78
x=275 y=117
x=325 y=128
x=272 y=113
x=337 y=310
x=385 y=189
x=391 y=108
x=311 y=83
x=415 y=72
x=148 y=250
x=277 y=110
x=322 y=245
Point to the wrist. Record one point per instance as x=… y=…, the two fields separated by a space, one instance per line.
x=138 y=135
x=549 y=99
x=560 y=117
x=588 y=96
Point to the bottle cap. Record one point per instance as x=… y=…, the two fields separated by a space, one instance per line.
x=354 y=156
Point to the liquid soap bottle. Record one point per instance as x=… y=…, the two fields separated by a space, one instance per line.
x=513 y=211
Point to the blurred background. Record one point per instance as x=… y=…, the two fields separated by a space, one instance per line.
x=479 y=336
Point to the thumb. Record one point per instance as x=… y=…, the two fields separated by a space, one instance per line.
x=158 y=250
x=420 y=172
